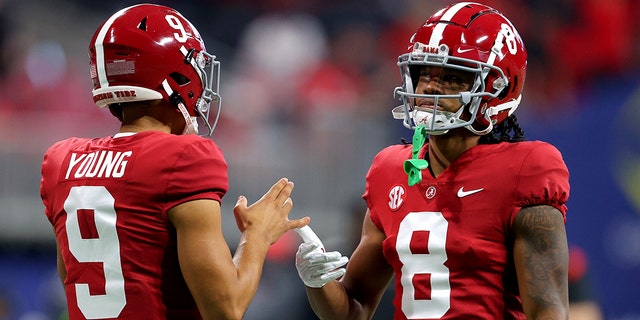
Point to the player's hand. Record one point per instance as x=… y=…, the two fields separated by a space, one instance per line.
x=268 y=218
x=315 y=266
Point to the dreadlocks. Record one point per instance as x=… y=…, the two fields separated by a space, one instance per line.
x=506 y=131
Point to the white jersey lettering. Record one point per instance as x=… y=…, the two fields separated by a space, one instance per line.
x=98 y=164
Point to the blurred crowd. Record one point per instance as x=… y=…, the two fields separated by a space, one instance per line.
x=315 y=66
x=307 y=88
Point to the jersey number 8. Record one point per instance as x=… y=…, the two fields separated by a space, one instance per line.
x=429 y=265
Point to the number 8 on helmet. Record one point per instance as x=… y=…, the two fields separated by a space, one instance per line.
x=469 y=37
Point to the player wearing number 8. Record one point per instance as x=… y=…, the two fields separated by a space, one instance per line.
x=137 y=215
x=470 y=217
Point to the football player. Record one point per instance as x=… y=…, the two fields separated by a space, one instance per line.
x=469 y=218
x=137 y=215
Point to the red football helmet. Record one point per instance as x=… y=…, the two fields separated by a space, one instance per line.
x=473 y=38
x=151 y=52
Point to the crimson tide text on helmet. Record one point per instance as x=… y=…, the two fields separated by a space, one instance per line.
x=474 y=38
x=151 y=52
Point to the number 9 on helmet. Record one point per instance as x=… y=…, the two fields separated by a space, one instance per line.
x=151 y=52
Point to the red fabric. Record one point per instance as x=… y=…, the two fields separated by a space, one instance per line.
x=133 y=181
x=466 y=249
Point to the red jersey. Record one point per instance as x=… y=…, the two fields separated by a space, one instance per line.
x=107 y=199
x=448 y=238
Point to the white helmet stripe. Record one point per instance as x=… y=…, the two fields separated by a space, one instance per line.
x=100 y=66
x=436 y=36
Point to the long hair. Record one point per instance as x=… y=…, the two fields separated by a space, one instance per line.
x=506 y=131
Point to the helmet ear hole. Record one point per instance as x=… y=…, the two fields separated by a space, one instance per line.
x=515 y=84
x=510 y=89
x=179 y=78
x=503 y=94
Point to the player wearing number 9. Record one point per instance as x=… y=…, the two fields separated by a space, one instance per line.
x=470 y=217
x=137 y=215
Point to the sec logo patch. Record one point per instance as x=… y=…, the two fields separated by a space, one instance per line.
x=396 y=197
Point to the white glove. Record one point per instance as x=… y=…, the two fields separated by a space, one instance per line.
x=315 y=266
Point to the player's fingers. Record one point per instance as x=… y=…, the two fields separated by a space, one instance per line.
x=339 y=263
x=241 y=203
x=299 y=223
x=327 y=257
x=307 y=235
x=327 y=267
x=283 y=195
x=306 y=248
x=275 y=189
x=288 y=204
x=333 y=275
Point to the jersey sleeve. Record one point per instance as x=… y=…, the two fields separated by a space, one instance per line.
x=199 y=172
x=368 y=193
x=543 y=179
x=51 y=162
x=386 y=166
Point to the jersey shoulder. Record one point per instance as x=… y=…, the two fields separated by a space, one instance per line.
x=170 y=143
x=393 y=155
x=63 y=145
x=536 y=157
x=542 y=175
x=58 y=151
x=536 y=150
x=527 y=151
x=397 y=151
x=189 y=163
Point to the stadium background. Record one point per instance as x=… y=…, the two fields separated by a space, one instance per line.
x=307 y=93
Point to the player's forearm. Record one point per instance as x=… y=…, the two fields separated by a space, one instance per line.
x=541 y=259
x=549 y=314
x=553 y=306
x=228 y=296
x=332 y=302
x=249 y=261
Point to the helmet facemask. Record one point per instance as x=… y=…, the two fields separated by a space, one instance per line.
x=208 y=71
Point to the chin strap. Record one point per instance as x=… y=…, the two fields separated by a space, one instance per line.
x=191 y=124
x=413 y=167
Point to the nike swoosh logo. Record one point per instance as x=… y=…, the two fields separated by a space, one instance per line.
x=464 y=50
x=462 y=193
